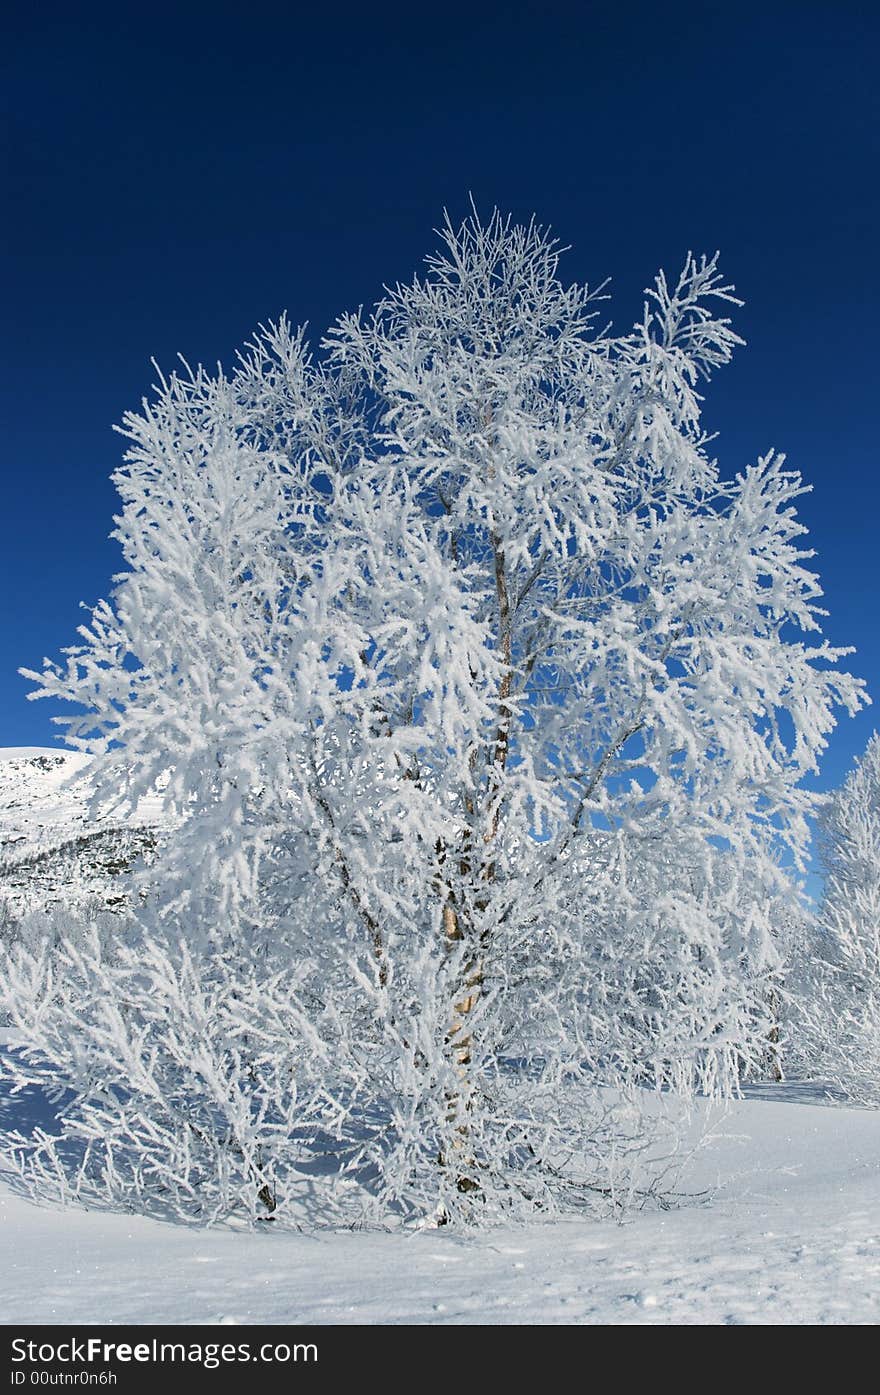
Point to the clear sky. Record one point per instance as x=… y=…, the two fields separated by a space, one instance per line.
x=176 y=174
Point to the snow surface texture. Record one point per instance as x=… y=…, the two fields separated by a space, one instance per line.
x=54 y=849
x=791 y=1236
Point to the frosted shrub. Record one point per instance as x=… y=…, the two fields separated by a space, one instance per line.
x=176 y=1081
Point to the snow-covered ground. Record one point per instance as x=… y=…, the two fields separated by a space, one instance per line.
x=791 y=1235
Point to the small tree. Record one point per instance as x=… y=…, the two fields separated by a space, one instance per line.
x=480 y=691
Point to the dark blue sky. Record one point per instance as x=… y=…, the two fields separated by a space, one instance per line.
x=176 y=174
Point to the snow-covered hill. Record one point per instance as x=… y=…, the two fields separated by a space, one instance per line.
x=38 y=803
x=53 y=848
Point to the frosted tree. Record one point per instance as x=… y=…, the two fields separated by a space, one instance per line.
x=479 y=694
x=841 y=993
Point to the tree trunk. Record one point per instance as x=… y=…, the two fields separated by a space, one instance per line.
x=773 y=1039
x=461 y=1043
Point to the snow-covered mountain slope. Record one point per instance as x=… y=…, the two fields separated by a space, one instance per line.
x=38 y=804
x=53 y=848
